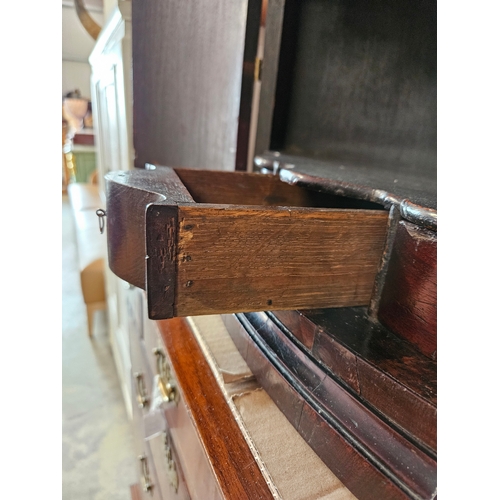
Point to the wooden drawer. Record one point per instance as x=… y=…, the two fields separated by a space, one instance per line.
x=185 y=448
x=138 y=411
x=194 y=474
x=135 y=310
x=197 y=473
x=205 y=242
x=148 y=478
x=142 y=376
x=170 y=475
x=146 y=472
x=151 y=338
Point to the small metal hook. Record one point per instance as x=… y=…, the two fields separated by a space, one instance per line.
x=101 y=214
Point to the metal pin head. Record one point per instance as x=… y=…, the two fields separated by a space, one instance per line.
x=101 y=214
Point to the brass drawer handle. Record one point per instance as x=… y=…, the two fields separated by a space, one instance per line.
x=167 y=390
x=147 y=485
x=142 y=398
x=162 y=366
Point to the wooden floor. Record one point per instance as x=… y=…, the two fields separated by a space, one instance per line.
x=97 y=448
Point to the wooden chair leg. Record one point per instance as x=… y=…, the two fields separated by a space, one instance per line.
x=90 y=318
x=91 y=309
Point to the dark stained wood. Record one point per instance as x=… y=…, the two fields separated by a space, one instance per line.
x=362 y=394
x=368 y=456
x=233 y=464
x=161 y=249
x=400 y=406
x=313 y=376
x=203 y=258
x=233 y=259
x=127 y=196
x=359 y=183
x=303 y=329
x=242 y=188
x=272 y=22
x=353 y=328
x=408 y=304
x=391 y=376
x=188 y=65
x=254 y=8
x=357 y=83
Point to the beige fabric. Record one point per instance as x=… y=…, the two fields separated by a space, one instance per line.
x=293 y=469
x=229 y=361
x=297 y=471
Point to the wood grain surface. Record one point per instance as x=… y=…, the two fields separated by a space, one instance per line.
x=367 y=455
x=408 y=304
x=192 y=464
x=390 y=375
x=161 y=251
x=243 y=188
x=233 y=464
x=241 y=258
x=188 y=66
x=127 y=196
x=199 y=258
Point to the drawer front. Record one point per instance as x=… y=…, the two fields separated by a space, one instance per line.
x=146 y=473
x=171 y=480
x=151 y=338
x=148 y=478
x=196 y=479
x=142 y=377
x=309 y=256
x=137 y=423
x=158 y=363
x=135 y=310
x=151 y=453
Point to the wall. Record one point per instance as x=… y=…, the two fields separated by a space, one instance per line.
x=76 y=75
x=77 y=45
x=108 y=7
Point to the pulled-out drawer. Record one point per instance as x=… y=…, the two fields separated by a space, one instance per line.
x=141 y=373
x=206 y=242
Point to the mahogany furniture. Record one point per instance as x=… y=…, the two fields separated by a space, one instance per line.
x=321 y=261
x=240 y=246
x=201 y=420
x=348 y=375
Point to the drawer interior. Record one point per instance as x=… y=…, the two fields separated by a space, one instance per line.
x=213 y=242
x=241 y=188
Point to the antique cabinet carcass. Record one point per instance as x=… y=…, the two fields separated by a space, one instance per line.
x=316 y=262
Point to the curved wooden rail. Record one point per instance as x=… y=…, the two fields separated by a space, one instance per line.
x=91 y=27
